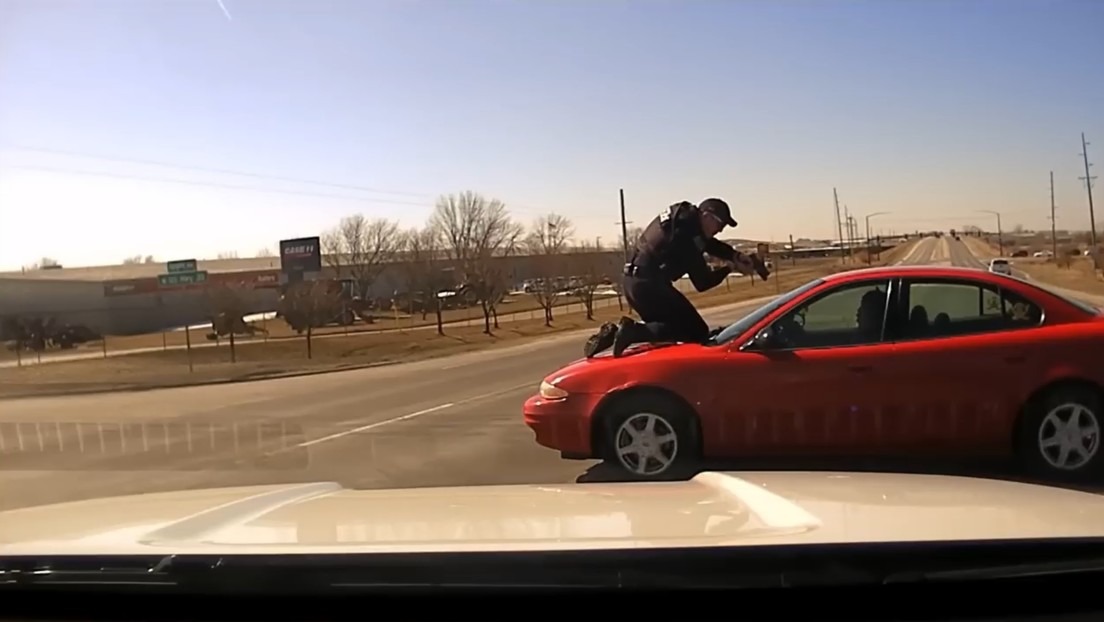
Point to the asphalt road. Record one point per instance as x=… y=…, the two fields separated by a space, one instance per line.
x=442 y=422
x=449 y=421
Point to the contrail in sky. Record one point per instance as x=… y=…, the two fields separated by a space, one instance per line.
x=224 y=11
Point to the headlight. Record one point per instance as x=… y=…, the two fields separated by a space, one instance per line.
x=550 y=392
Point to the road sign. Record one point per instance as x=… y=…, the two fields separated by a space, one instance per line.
x=182 y=278
x=301 y=255
x=181 y=265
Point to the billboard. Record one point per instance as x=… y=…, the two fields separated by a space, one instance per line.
x=300 y=256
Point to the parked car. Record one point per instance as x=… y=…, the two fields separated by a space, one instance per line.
x=892 y=361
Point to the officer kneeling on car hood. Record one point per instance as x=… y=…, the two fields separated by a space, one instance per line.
x=674 y=245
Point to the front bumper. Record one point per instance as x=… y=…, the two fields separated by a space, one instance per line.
x=563 y=425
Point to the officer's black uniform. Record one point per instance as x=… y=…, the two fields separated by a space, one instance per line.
x=671 y=246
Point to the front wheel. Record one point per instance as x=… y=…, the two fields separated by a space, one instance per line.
x=651 y=438
x=1060 y=437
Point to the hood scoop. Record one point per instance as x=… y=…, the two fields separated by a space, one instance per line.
x=199 y=526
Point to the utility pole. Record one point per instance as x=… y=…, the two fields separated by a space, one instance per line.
x=624 y=227
x=847 y=229
x=1088 y=187
x=1053 y=223
x=793 y=255
x=1000 y=230
x=851 y=232
x=839 y=225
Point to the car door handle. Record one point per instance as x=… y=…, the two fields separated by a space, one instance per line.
x=860 y=368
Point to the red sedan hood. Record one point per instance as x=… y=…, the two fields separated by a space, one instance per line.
x=645 y=352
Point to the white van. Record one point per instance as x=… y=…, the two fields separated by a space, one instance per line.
x=1000 y=266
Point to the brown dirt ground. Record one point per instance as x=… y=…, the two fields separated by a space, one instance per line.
x=1076 y=273
x=288 y=356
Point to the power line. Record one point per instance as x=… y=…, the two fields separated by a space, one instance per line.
x=429 y=203
x=223 y=186
x=219 y=171
x=208 y=184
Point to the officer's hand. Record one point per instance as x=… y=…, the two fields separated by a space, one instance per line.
x=763 y=271
x=760 y=267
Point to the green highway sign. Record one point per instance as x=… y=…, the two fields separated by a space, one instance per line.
x=182 y=278
x=181 y=265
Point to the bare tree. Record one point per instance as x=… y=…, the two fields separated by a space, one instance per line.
x=591 y=269
x=228 y=255
x=138 y=259
x=476 y=233
x=313 y=302
x=423 y=271
x=361 y=247
x=547 y=242
x=228 y=304
x=46 y=263
x=265 y=252
x=633 y=235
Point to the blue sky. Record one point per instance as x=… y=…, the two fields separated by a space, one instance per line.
x=931 y=110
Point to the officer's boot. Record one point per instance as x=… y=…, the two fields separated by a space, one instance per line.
x=600 y=340
x=603 y=339
x=628 y=333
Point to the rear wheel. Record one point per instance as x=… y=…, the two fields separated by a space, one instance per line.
x=1060 y=436
x=651 y=438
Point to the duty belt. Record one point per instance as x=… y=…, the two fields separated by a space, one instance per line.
x=642 y=272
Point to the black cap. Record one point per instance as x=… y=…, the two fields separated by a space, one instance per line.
x=718 y=208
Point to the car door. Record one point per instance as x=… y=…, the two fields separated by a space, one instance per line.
x=814 y=385
x=962 y=365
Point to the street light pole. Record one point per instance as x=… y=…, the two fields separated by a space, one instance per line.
x=868 y=217
x=1000 y=231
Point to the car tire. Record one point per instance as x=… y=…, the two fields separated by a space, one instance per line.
x=666 y=446
x=1048 y=450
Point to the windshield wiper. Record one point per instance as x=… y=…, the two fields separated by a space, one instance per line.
x=139 y=571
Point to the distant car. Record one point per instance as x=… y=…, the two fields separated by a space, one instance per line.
x=1000 y=266
x=892 y=361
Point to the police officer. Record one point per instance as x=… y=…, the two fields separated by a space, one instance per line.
x=674 y=244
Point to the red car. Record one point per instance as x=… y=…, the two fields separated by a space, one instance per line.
x=895 y=361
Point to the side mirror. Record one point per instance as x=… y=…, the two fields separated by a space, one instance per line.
x=764 y=340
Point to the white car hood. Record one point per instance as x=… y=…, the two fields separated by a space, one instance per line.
x=712 y=509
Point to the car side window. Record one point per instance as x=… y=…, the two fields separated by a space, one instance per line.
x=850 y=315
x=947 y=309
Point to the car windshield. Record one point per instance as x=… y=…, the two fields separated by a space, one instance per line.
x=741 y=326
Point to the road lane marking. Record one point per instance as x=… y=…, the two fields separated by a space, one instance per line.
x=912 y=252
x=365 y=428
x=413 y=415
